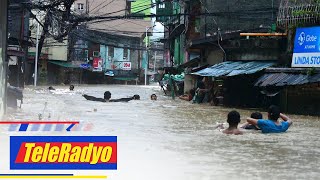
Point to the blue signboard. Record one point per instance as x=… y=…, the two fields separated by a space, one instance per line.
x=85 y=66
x=306 y=52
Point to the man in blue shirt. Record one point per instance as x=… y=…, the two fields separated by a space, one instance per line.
x=272 y=125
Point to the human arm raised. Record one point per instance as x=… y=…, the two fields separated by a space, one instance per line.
x=252 y=121
x=286 y=118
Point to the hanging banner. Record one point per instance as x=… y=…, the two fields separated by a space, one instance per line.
x=121 y=65
x=126 y=66
x=306 y=52
x=97 y=64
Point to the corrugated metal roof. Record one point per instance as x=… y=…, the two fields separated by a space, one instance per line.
x=286 y=79
x=234 y=68
x=315 y=78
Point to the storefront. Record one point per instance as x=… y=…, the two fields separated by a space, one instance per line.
x=296 y=89
x=233 y=82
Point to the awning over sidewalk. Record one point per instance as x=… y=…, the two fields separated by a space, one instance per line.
x=64 y=64
x=286 y=79
x=196 y=69
x=233 y=68
x=125 y=78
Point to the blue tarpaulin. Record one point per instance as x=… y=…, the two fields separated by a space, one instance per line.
x=233 y=68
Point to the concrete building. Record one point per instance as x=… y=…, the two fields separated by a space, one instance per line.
x=18 y=42
x=234 y=45
x=210 y=34
x=297 y=86
x=110 y=49
x=52 y=51
x=111 y=43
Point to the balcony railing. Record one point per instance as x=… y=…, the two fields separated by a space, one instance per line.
x=298 y=13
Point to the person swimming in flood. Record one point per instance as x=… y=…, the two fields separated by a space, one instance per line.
x=134 y=97
x=255 y=115
x=107 y=98
x=153 y=97
x=233 y=121
x=71 y=88
x=51 y=88
x=272 y=124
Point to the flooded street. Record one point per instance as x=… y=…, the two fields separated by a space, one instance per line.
x=177 y=140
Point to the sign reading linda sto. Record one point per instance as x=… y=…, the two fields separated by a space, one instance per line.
x=306 y=52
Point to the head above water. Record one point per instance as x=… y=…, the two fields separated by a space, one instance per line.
x=136 y=97
x=153 y=97
x=51 y=88
x=256 y=115
x=233 y=118
x=107 y=95
x=71 y=87
x=273 y=113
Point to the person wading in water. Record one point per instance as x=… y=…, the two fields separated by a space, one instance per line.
x=107 y=98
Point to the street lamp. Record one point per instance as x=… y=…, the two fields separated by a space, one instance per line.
x=147 y=56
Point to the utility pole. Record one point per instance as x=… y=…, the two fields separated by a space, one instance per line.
x=147 y=57
x=146 y=67
x=37 y=57
x=155 y=59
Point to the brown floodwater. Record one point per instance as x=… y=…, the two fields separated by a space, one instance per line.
x=174 y=139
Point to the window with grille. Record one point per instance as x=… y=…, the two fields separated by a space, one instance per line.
x=80 y=6
x=162 y=6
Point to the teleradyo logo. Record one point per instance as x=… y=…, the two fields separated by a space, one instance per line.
x=306 y=38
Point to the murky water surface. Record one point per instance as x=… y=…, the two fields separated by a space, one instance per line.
x=174 y=139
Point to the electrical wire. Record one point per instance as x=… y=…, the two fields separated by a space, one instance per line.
x=219 y=33
x=131 y=46
x=98 y=5
x=103 y=6
x=125 y=10
x=97 y=21
x=133 y=32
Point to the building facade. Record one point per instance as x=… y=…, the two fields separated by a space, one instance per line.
x=110 y=50
x=18 y=42
x=203 y=33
